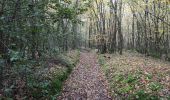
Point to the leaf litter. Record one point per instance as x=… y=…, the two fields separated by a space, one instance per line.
x=134 y=76
x=87 y=81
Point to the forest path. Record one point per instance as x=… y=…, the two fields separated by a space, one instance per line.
x=87 y=81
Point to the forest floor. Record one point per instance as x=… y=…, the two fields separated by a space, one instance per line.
x=135 y=76
x=87 y=81
x=118 y=77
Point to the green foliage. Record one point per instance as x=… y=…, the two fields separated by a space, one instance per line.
x=53 y=82
x=31 y=33
x=125 y=89
x=126 y=84
x=119 y=78
x=130 y=79
x=8 y=91
x=41 y=83
x=154 y=86
x=149 y=76
x=101 y=60
x=155 y=54
x=104 y=66
x=14 y=55
x=137 y=83
x=57 y=85
x=142 y=95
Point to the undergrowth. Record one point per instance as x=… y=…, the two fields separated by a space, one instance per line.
x=133 y=78
x=40 y=83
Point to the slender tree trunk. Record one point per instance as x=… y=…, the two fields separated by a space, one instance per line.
x=133 y=32
x=114 y=44
x=120 y=36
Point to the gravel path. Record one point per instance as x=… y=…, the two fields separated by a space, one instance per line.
x=86 y=82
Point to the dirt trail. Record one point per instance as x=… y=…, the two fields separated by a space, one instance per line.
x=86 y=82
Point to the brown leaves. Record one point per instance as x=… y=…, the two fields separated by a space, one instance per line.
x=87 y=81
x=144 y=74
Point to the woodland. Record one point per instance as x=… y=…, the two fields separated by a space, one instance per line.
x=84 y=49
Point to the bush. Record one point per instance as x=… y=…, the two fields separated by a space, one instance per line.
x=30 y=80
